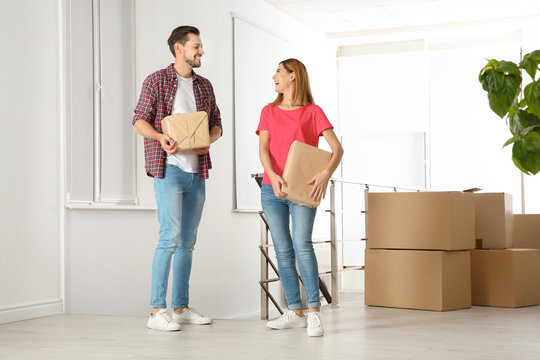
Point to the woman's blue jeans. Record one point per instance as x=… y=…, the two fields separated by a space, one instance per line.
x=286 y=247
x=180 y=198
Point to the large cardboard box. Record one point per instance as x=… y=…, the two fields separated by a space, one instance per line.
x=190 y=130
x=303 y=162
x=505 y=278
x=494 y=220
x=418 y=279
x=526 y=231
x=421 y=220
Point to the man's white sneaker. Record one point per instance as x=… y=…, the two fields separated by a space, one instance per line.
x=314 y=324
x=162 y=321
x=190 y=316
x=287 y=321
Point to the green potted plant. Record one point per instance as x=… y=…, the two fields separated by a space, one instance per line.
x=502 y=80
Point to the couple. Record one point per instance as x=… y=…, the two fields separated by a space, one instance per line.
x=179 y=180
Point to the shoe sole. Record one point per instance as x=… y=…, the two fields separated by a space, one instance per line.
x=193 y=322
x=168 y=330
x=288 y=327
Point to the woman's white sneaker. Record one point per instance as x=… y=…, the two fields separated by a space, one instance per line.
x=314 y=324
x=287 y=321
x=190 y=316
x=162 y=321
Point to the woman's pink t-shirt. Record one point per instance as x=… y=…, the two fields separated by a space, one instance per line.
x=304 y=124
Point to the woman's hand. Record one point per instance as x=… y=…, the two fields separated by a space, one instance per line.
x=319 y=182
x=277 y=185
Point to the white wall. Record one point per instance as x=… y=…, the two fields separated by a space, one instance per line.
x=109 y=252
x=30 y=215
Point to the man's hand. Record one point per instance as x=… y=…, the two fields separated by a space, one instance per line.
x=168 y=144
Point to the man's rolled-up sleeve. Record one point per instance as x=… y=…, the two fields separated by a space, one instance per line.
x=214 y=116
x=146 y=106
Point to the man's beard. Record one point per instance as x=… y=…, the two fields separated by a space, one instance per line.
x=192 y=63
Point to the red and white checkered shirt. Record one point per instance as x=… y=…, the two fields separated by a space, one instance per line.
x=156 y=102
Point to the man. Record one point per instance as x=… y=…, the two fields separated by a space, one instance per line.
x=179 y=176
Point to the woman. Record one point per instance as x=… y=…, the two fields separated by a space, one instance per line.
x=294 y=116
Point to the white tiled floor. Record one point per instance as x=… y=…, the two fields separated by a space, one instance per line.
x=353 y=331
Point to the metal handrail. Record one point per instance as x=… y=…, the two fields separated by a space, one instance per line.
x=356 y=182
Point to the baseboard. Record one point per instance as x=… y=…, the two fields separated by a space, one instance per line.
x=31 y=310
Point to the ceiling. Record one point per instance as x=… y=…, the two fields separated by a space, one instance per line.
x=335 y=17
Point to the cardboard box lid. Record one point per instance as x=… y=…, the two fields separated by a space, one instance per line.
x=432 y=220
x=303 y=162
x=190 y=130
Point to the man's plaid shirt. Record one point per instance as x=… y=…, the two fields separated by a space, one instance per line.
x=156 y=102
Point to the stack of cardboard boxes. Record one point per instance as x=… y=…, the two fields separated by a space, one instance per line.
x=418 y=250
x=501 y=274
x=421 y=252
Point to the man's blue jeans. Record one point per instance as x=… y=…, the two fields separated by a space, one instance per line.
x=286 y=247
x=180 y=198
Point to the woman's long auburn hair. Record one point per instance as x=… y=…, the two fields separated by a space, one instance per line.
x=301 y=91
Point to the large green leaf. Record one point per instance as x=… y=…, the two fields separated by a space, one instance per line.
x=530 y=63
x=492 y=63
x=532 y=97
x=502 y=80
x=526 y=153
x=522 y=122
x=509 y=68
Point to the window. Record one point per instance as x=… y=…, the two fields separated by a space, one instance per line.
x=431 y=86
x=100 y=97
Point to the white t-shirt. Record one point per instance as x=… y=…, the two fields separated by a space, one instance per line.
x=184 y=102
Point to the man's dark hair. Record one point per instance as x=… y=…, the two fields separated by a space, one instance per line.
x=180 y=34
